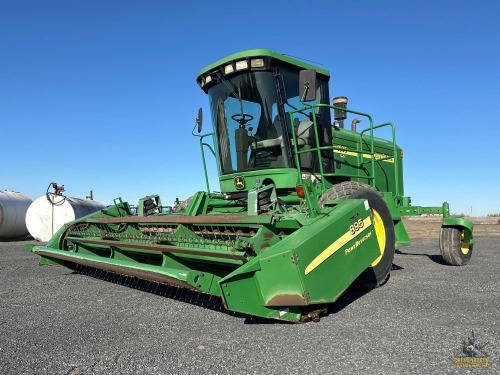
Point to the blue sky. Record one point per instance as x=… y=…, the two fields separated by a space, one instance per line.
x=102 y=95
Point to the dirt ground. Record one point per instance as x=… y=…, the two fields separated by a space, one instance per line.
x=425 y=227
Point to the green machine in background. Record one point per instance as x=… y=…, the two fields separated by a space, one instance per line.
x=306 y=208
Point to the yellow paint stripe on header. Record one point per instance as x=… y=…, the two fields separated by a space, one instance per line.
x=334 y=247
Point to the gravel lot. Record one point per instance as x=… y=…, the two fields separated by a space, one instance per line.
x=54 y=321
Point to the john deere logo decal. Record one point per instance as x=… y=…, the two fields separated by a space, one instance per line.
x=239 y=182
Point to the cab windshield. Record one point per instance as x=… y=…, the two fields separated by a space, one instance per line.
x=246 y=120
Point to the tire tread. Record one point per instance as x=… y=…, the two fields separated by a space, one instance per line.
x=350 y=190
x=450 y=245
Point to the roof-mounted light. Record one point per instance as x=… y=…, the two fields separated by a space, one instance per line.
x=228 y=69
x=257 y=63
x=208 y=79
x=240 y=65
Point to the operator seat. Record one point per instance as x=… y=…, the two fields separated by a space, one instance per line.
x=275 y=156
x=305 y=141
x=269 y=155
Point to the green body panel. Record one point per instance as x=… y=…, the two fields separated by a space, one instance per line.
x=282 y=178
x=458 y=222
x=277 y=280
x=352 y=156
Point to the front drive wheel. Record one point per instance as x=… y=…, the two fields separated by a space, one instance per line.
x=455 y=249
x=379 y=271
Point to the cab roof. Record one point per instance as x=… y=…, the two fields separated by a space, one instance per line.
x=283 y=60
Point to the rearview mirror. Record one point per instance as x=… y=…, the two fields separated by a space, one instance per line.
x=199 y=119
x=307 y=85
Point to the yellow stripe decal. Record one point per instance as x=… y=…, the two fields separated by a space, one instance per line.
x=334 y=247
x=378 y=156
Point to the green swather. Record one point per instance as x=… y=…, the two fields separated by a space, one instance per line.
x=306 y=206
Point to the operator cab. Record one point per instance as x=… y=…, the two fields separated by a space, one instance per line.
x=251 y=95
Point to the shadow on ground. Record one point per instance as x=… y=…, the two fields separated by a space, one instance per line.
x=433 y=257
x=215 y=303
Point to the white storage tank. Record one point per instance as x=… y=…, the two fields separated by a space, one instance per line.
x=13 y=207
x=49 y=213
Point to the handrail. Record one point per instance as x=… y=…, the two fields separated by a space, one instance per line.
x=203 y=153
x=358 y=150
x=318 y=149
x=394 y=152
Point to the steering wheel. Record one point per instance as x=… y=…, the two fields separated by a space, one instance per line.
x=242 y=118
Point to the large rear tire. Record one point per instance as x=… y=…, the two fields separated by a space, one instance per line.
x=454 y=249
x=379 y=271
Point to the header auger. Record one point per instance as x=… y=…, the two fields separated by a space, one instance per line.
x=306 y=207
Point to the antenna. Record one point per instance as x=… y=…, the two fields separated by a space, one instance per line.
x=301 y=58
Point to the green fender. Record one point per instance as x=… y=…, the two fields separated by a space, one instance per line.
x=466 y=226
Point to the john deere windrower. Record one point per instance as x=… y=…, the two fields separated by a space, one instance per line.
x=306 y=206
